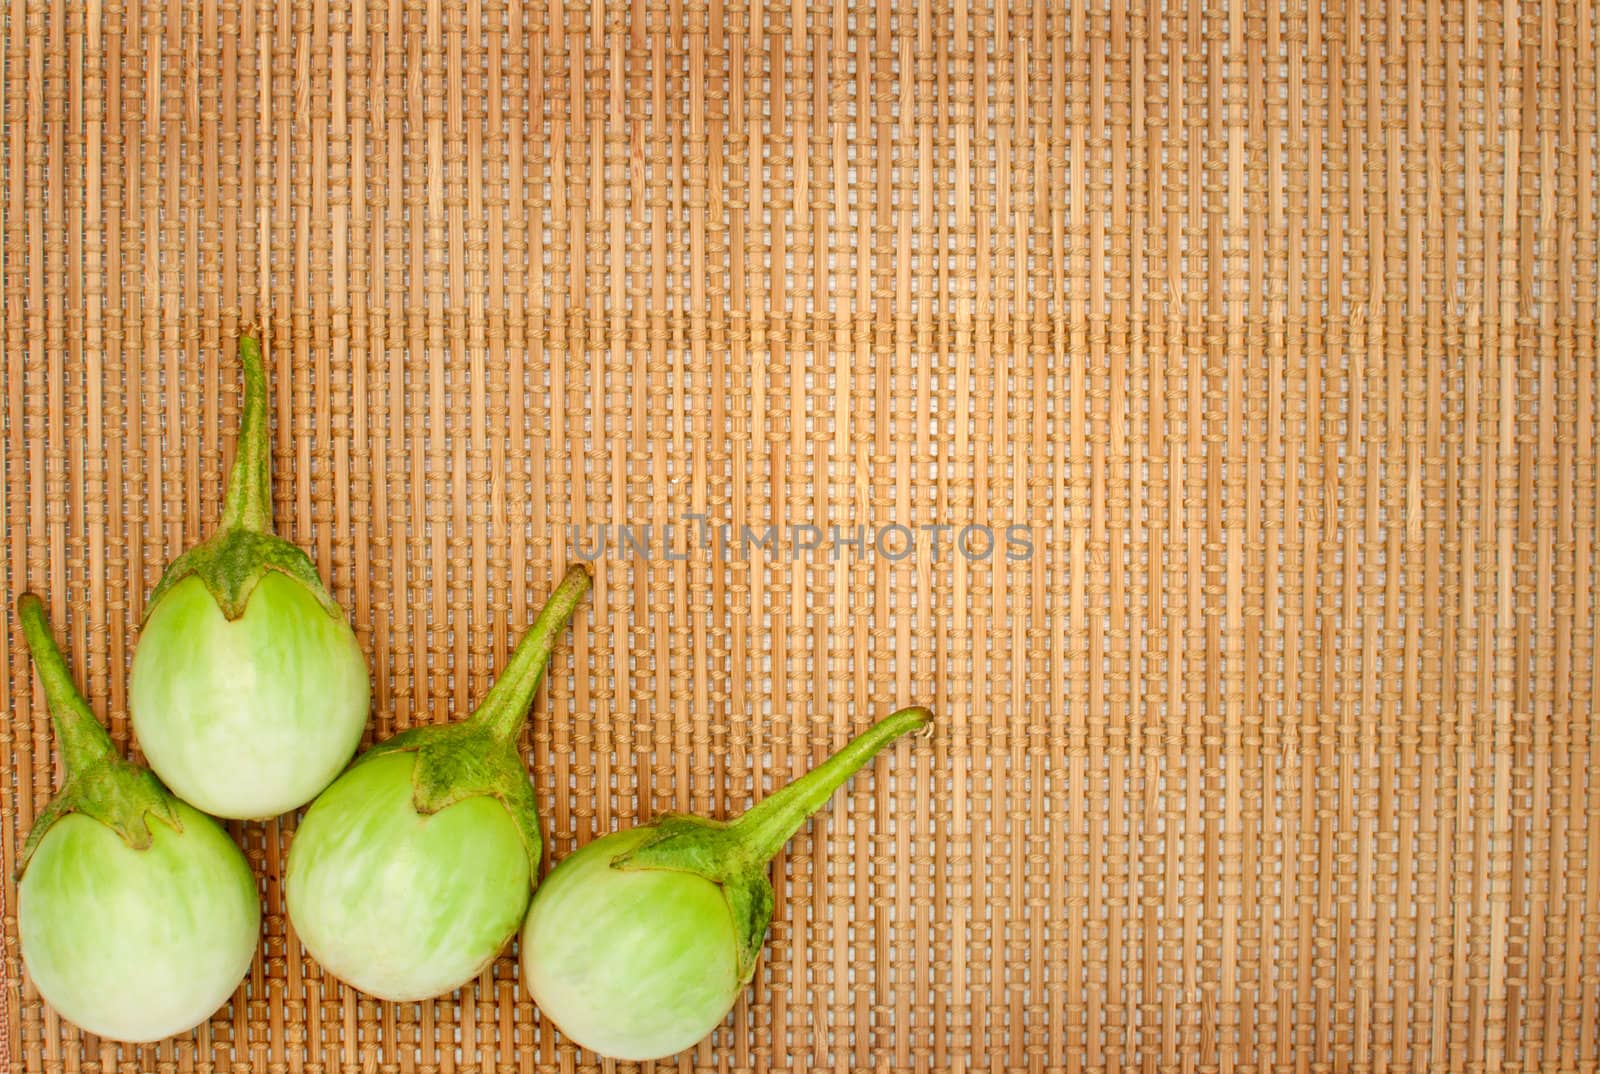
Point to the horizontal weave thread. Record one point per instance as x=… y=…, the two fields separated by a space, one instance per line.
x=1266 y=737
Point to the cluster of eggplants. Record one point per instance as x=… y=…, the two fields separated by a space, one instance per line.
x=138 y=914
x=412 y=870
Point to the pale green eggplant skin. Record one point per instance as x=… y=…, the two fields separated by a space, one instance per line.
x=249 y=689
x=639 y=944
x=633 y=965
x=138 y=945
x=414 y=869
x=248 y=717
x=400 y=904
x=137 y=914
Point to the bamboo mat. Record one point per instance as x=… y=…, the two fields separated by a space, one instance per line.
x=1271 y=328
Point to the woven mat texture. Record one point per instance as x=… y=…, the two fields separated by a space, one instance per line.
x=1267 y=738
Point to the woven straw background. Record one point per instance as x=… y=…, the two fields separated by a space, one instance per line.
x=1275 y=326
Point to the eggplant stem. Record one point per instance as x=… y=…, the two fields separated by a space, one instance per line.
x=505 y=708
x=83 y=741
x=769 y=824
x=249 y=498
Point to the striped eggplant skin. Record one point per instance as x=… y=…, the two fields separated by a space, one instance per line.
x=403 y=905
x=633 y=965
x=137 y=945
x=249 y=717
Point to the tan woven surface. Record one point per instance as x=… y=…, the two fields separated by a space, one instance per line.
x=1280 y=748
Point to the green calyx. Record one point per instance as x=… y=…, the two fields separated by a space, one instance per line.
x=99 y=784
x=233 y=561
x=480 y=756
x=735 y=854
x=244 y=547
